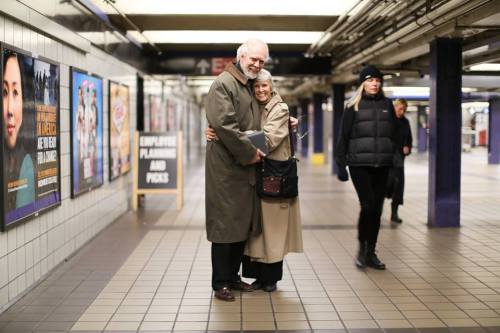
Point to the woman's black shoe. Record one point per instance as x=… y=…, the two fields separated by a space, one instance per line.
x=361 y=257
x=256 y=285
x=374 y=262
x=270 y=287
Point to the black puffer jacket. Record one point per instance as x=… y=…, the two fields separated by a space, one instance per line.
x=368 y=137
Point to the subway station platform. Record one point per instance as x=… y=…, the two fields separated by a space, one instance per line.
x=151 y=271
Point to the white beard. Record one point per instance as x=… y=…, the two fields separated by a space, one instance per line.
x=249 y=74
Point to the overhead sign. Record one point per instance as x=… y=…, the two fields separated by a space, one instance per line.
x=286 y=65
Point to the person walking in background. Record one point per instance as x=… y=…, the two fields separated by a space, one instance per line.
x=396 y=181
x=367 y=144
x=232 y=205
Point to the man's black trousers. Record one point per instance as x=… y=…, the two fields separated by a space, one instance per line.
x=226 y=261
x=370 y=184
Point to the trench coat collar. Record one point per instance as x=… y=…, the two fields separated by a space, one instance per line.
x=275 y=99
x=236 y=73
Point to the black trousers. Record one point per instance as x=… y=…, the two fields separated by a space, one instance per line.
x=370 y=184
x=267 y=273
x=226 y=261
x=396 y=185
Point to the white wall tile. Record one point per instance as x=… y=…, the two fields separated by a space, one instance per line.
x=9 y=32
x=21 y=259
x=4 y=271
x=11 y=239
x=2 y=32
x=18 y=35
x=11 y=257
x=4 y=295
x=29 y=255
x=13 y=291
x=3 y=244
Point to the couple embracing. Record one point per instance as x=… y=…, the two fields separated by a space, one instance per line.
x=244 y=228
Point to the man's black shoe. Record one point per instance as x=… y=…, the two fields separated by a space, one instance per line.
x=224 y=294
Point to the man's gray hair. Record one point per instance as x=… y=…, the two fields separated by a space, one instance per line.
x=264 y=75
x=248 y=45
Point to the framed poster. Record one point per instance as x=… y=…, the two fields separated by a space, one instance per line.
x=86 y=132
x=30 y=169
x=119 y=130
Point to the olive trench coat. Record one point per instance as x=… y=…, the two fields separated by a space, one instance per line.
x=281 y=222
x=231 y=203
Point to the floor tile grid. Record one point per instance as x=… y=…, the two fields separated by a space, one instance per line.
x=159 y=253
x=124 y=269
x=197 y=247
x=413 y=290
x=424 y=279
x=470 y=263
x=307 y=315
x=359 y=323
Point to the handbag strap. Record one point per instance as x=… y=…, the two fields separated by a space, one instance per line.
x=292 y=148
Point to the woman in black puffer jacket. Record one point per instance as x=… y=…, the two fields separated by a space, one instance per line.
x=366 y=144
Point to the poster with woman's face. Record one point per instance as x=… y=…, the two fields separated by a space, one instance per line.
x=119 y=131
x=86 y=132
x=30 y=140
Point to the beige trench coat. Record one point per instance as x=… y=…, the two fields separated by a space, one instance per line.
x=281 y=222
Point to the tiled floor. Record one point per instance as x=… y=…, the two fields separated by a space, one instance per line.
x=151 y=271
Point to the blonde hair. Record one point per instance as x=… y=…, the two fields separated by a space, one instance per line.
x=356 y=98
x=401 y=101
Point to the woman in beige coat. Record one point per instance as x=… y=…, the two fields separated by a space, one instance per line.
x=281 y=223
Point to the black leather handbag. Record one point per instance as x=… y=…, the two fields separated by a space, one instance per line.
x=278 y=179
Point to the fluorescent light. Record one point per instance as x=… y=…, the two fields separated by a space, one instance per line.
x=477 y=50
x=229 y=7
x=417 y=92
x=226 y=37
x=485 y=67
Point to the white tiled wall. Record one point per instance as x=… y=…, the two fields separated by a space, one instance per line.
x=30 y=250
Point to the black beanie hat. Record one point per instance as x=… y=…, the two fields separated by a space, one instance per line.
x=368 y=72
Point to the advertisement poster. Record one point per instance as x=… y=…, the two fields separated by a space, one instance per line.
x=119 y=130
x=157 y=161
x=155 y=117
x=171 y=115
x=30 y=140
x=86 y=132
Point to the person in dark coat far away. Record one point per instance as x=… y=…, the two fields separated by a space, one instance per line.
x=396 y=181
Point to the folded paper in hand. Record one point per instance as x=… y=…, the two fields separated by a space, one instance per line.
x=258 y=139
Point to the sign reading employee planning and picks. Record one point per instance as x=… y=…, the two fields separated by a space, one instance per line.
x=157 y=161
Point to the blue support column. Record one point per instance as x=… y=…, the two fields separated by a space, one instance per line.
x=421 y=129
x=338 y=109
x=318 y=157
x=445 y=137
x=494 y=132
x=304 y=127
